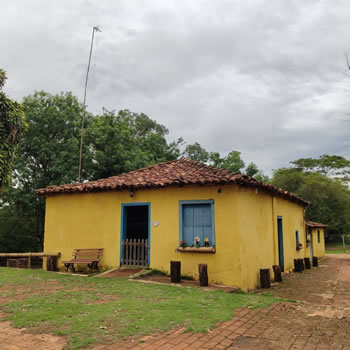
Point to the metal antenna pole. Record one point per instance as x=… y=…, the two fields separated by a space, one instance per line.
x=94 y=29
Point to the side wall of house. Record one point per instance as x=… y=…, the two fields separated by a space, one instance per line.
x=258 y=213
x=292 y=215
x=318 y=248
x=93 y=220
x=256 y=232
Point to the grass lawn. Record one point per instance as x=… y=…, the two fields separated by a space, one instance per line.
x=89 y=310
x=337 y=248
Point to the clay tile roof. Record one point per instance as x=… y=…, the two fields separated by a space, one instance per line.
x=173 y=173
x=315 y=224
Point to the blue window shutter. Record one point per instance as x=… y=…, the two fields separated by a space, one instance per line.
x=197 y=221
x=188 y=228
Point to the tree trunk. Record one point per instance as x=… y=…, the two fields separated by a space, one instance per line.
x=277 y=273
x=265 y=278
x=307 y=263
x=175 y=271
x=315 y=261
x=203 y=274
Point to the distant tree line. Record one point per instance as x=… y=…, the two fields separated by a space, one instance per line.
x=116 y=142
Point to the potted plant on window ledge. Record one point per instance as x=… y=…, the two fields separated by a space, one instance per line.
x=299 y=246
x=196 y=247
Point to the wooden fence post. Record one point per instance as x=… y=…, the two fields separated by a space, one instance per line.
x=175 y=271
x=203 y=274
x=277 y=273
x=265 y=281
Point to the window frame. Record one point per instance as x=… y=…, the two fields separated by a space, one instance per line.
x=194 y=202
x=297 y=238
x=318 y=236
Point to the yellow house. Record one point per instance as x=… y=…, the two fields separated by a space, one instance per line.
x=180 y=210
x=315 y=239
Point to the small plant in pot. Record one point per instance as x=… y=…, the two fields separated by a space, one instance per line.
x=299 y=246
x=197 y=242
x=183 y=244
x=206 y=242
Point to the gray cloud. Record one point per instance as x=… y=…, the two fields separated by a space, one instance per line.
x=263 y=77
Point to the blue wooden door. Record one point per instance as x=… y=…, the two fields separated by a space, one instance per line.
x=280 y=243
x=197 y=223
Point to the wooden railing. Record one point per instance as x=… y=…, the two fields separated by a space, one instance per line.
x=135 y=252
x=29 y=260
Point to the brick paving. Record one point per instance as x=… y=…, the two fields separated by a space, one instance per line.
x=321 y=321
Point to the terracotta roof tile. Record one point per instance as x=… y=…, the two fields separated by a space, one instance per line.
x=315 y=224
x=174 y=173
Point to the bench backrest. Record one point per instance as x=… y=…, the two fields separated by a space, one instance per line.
x=93 y=254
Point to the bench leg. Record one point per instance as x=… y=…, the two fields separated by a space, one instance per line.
x=68 y=266
x=94 y=265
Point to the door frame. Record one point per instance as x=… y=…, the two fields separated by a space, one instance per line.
x=123 y=222
x=280 y=242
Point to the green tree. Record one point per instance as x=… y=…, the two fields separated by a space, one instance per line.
x=327 y=165
x=251 y=170
x=216 y=160
x=330 y=198
x=12 y=125
x=196 y=152
x=48 y=154
x=127 y=141
x=233 y=162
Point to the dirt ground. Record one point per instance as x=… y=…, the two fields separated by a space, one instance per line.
x=321 y=320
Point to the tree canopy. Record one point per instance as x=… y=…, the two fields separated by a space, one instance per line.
x=329 y=197
x=49 y=155
x=127 y=141
x=232 y=161
x=12 y=125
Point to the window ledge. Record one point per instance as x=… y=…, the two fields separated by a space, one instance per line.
x=196 y=250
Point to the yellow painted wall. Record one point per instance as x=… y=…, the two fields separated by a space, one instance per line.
x=318 y=248
x=245 y=229
x=258 y=213
x=257 y=239
x=93 y=221
x=293 y=219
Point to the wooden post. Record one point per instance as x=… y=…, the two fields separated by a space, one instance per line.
x=302 y=267
x=277 y=273
x=307 y=263
x=175 y=271
x=314 y=261
x=296 y=266
x=29 y=261
x=203 y=274
x=265 y=278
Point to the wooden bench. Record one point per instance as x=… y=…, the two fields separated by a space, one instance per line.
x=91 y=257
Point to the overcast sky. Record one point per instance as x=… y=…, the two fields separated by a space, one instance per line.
x=267 y=78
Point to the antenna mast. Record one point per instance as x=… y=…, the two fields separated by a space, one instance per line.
x=94 y=29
